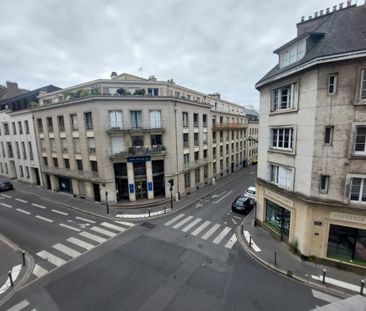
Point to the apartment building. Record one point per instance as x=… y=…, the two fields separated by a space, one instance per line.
x=18 y=153
x=252 y=141
x=311 y=186
x=126 y=137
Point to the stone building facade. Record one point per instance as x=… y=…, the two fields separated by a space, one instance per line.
x=128 y=136
x=311 y=187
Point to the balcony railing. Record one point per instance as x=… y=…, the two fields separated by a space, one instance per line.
x=229 y=125
x=112 y=128
x=195 y=163
x=70 y=173
x=135 y=151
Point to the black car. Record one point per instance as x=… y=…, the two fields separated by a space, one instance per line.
x=5 y=185
x=242 y=205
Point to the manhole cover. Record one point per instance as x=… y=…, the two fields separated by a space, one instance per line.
x=148 y=225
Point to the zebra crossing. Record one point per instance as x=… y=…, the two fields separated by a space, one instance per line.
x=206 y=230
x=74 y=246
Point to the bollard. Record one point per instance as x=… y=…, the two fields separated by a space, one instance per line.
x=11 y=279
x=324 y=272
x=149 y=211
x=164 y=208
x=23 y=255
x=362 y=286
x=275 y=258
x=250 y=241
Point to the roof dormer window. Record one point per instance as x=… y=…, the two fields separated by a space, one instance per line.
x=292 y=54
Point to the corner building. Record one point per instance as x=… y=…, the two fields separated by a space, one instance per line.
x=311 y=187
x=127 y=136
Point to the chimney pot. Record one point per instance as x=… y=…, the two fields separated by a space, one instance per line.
x=334 y=8
x=310 y=17
x=316 y=14
x=341 y=6
x=302 y=18
x=328 y=10
x=349 y=3
x=321 y=12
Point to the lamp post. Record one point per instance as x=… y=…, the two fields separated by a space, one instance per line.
x=106 y=202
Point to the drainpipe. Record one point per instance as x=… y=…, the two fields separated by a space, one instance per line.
x=176 y=147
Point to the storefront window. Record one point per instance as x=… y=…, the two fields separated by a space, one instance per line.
x=347 y=243
x=279 y=219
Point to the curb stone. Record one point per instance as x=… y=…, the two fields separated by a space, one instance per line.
x=335 y=292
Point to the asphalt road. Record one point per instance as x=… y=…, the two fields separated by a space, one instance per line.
x=186 y=261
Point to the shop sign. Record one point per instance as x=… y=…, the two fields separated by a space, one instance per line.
x=138 y=159
x=348 y=217
x=279 y=198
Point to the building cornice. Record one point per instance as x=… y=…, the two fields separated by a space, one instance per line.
x=312 y=63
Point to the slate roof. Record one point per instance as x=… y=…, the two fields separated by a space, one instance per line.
x=344 y=31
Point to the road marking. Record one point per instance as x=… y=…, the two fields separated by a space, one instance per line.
x=44 y=218
x=108 y=225
x=231 y=242
x=103 y=231
x=254 y=246
x=191 y=225
x=222 y=197
x=6 y=196
x=93 y=237
x=69 y=227
x=23 y=211
x=200 y=228
x=222 y=234
x=217 y=195
x=84 y=219
x=126 y=223
x=335 y=282
x=56 y=261
x=6 y=205
x=37 y=205
x=21 y=305
x=233 y=221
x=80 y=243
x=182 y=222
x=323 y=296
x=66 y=250
x=14 y=274
x=59 y=212
x=174 y=219
x=20 y=200
x=236 y=217
x=38 y=271
x=210 y=232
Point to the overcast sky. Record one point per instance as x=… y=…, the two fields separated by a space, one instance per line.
x=220 y=46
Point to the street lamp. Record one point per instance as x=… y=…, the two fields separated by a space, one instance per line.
x=171 y=182
x=106 y=202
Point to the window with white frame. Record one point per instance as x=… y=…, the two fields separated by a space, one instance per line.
x=281 y=176
x=155 y=119
x=292 y=54
x=324 y=183
x=363 y=84
x=282 y=138
x=360 y=141
x=136 y=119
x=358 y=190
x=332 y=84
x=115 y=119
x=283 y=97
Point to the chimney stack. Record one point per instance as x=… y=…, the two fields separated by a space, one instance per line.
x=341 y=6
x=315 y=14
x=310 y=17
x=303 y=18
x=349 y=3
x=321 y=13
x=327 y=11
x=334 y=8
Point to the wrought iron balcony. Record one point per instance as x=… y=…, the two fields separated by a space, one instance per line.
x=90 y=175
x=229 y=126
x=119 y=128
x=138 y=151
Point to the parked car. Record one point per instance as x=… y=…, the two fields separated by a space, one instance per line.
x=254 y=162
x=250 y=193
x=5 y=185
x=242 y=205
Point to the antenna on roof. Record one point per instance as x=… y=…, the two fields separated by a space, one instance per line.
x=141 y=71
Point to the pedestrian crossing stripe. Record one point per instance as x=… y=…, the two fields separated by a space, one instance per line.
x=81 y=243
x=66 y=250
x=103 y=231
x=179 y=221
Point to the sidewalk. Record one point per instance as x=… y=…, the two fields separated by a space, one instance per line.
x=11 y=260
x=136 y=213
x=264 y=247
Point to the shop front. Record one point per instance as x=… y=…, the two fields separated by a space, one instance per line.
x=278 y=219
